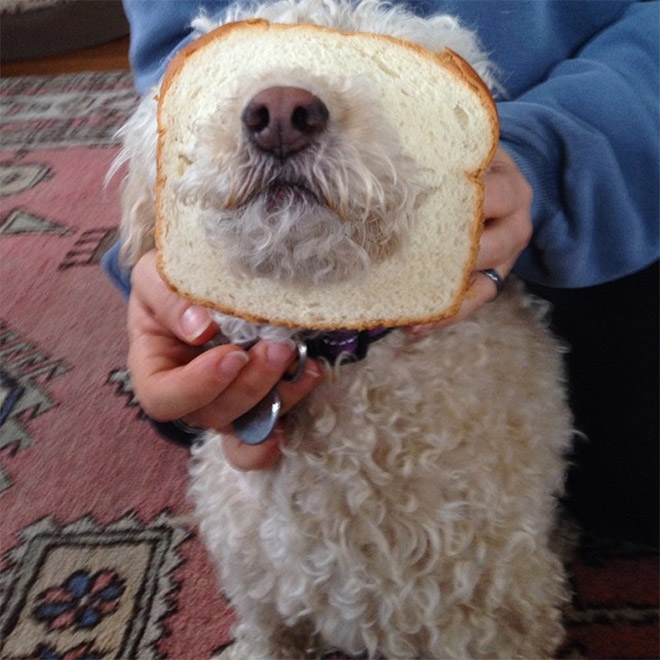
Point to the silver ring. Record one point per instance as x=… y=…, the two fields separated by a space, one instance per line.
x=495 y=277
x=301 y=347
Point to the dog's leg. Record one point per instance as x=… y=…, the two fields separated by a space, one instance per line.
x=231 y=507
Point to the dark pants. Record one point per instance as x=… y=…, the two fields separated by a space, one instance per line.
x=612 y=331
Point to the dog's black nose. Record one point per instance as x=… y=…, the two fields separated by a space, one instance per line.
x=283 y=120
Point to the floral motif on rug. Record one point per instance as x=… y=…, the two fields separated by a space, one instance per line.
x=86 y=590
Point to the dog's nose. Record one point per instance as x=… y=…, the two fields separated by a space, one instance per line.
x=283 y=120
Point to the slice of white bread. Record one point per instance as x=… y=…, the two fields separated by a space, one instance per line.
x=447 y=121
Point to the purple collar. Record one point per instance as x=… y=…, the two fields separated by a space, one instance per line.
x=351 y=345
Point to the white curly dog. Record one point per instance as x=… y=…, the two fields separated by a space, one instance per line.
x=413 y=509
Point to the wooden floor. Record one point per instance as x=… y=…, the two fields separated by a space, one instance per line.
x=109 y=57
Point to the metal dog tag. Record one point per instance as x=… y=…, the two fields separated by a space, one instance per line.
x=254 y=426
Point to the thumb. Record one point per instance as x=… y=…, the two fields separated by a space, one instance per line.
x=191 y=324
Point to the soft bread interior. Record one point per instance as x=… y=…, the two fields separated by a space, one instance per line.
x=446 y=121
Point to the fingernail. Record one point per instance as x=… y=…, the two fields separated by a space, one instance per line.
x=194 y=321
x=278 y=355
x=232 y=363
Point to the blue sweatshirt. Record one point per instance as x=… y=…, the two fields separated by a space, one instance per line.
x=580 y=117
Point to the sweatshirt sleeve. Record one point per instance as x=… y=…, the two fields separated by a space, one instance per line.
x=159 y=28
x=587 y=139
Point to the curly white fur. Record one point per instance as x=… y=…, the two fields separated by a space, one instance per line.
x=411 y=513
x=377 y=16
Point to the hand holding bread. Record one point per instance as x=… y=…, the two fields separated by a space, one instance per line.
x=507 y=231
x=174 y=378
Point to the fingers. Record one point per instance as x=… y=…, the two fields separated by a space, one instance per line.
x=506 y=188
x=503 y=239
x=507 y=209
x=267 y=365
x=292 y=393
x=169 y=386
x=171 y=377
x=175 y=377
x=253 y=457
x=481 y=291
x=219 y=385
x=190 y=323
x=265 y=455
x=507 y=231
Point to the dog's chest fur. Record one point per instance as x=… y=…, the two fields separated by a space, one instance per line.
x=401 y=481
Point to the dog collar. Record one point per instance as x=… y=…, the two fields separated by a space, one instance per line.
x=254 y=426
x=344 y=345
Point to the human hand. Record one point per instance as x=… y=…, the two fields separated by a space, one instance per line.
x=507 y=231
x=174 y=377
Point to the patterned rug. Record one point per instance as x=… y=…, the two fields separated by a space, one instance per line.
x=99 y=557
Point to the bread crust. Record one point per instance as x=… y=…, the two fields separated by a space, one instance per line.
x=447 y=59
